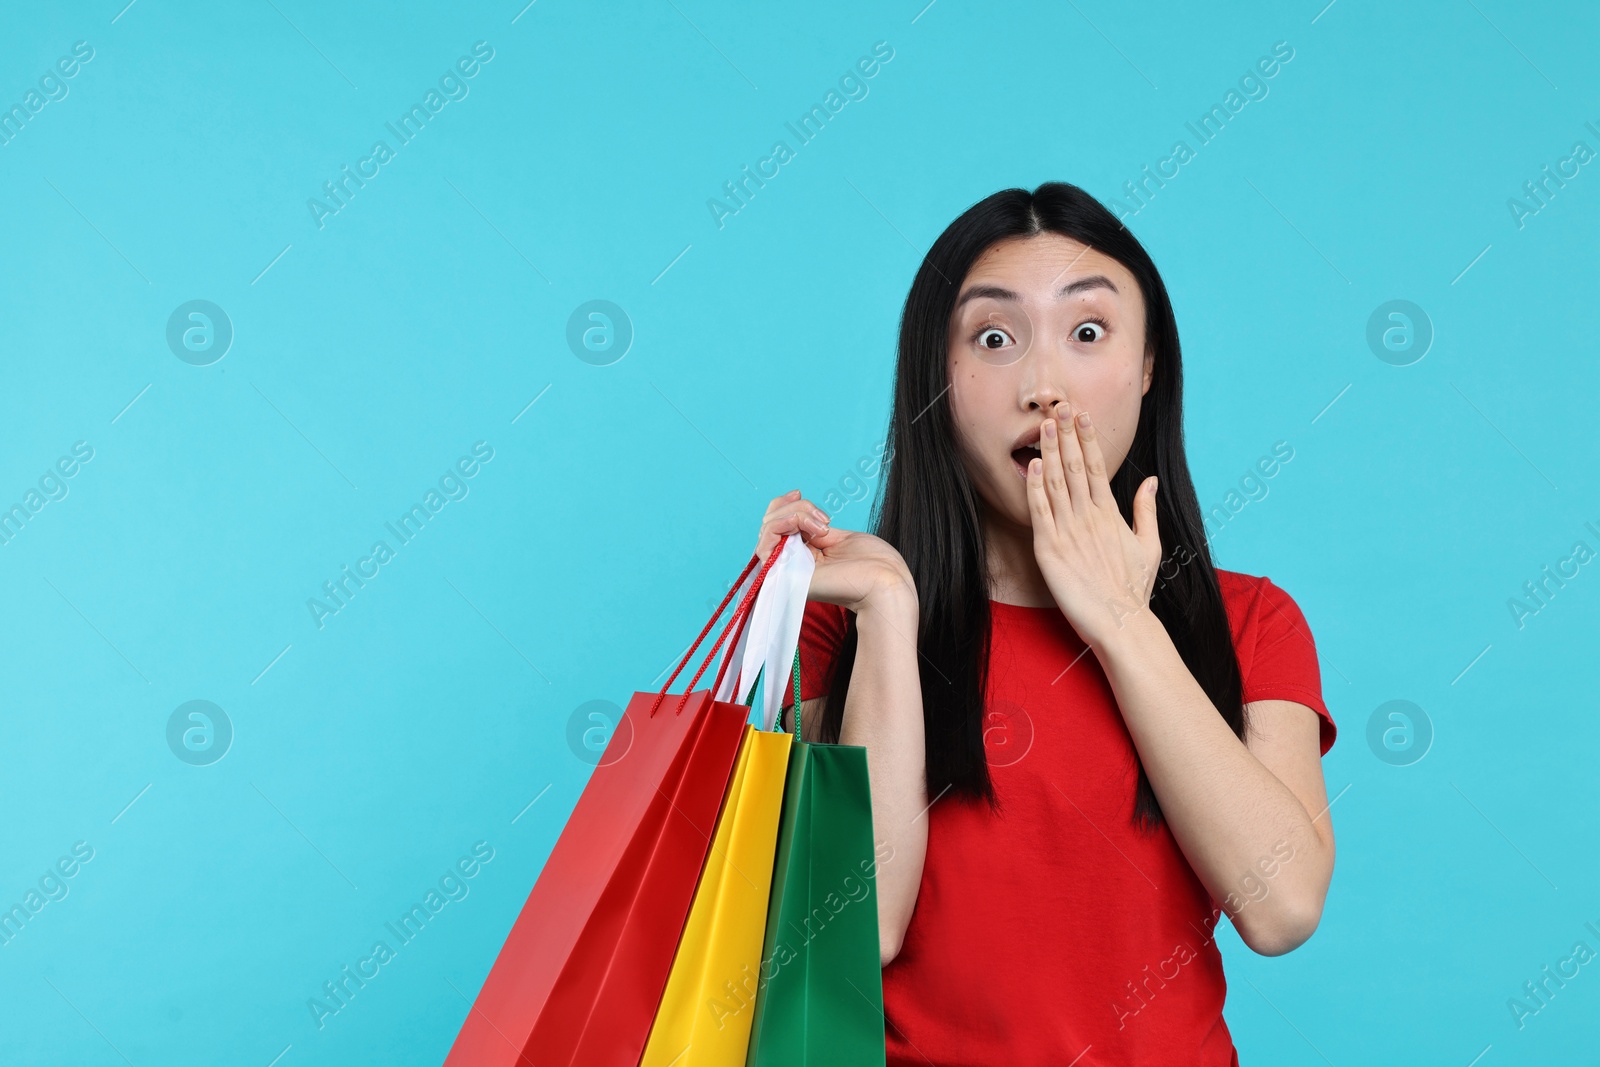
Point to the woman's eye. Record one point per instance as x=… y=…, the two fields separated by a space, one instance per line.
x=992 y=337
x=1089 y=331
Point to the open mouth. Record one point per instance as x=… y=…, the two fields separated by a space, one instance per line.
x=1023 y=456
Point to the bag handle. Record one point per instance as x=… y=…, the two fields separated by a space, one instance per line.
x=770 y=642
x=724 y=689
x=737 y=619
x=797 y=693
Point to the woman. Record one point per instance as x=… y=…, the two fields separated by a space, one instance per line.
x=1086 y=743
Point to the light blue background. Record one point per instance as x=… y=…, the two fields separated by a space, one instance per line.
x=426 y=315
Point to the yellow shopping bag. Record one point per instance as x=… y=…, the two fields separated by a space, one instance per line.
x=706 y=1011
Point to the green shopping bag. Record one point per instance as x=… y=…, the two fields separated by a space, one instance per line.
x=820 y=996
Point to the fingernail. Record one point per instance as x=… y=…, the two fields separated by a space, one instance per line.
x=1050 y=428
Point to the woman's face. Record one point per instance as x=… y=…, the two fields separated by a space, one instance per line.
x=1042 y=322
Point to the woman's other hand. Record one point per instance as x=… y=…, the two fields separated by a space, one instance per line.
x=852 y=568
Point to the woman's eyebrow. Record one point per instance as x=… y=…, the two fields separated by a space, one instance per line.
x=1093 y=281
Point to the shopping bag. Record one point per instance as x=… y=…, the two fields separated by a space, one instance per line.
x=820 y=1000
x=706 y=1011
x=581 y=974
x=705 y=1014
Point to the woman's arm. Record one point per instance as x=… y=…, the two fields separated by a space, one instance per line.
x=883 y=707
x=883 y=714
x=1236 y=809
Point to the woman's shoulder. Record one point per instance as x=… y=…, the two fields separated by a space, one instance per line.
x=1235 y=582
x=1246 y=595
x=1260 y=612
x=1277 y=653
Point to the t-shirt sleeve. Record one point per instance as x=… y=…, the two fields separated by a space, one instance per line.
x=1283 y=658
x=821 y=635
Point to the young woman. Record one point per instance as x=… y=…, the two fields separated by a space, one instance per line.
x=1086 y=742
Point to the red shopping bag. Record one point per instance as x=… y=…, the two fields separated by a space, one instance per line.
x=580 y=976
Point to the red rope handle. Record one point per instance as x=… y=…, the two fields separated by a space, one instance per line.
x=740 y=616
x=684 y=662
x=736 y=618
x=744 y=623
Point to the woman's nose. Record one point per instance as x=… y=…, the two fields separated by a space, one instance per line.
x=1053 y=404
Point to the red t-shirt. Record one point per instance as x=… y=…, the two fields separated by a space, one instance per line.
x=1054 y=933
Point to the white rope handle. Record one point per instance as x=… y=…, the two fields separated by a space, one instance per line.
x=768 y=643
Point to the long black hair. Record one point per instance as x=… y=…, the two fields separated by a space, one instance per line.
x=929 y=510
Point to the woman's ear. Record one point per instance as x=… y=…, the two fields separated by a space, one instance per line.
x=1149 y=369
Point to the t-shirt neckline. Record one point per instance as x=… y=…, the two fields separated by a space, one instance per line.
x=1024 y=607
